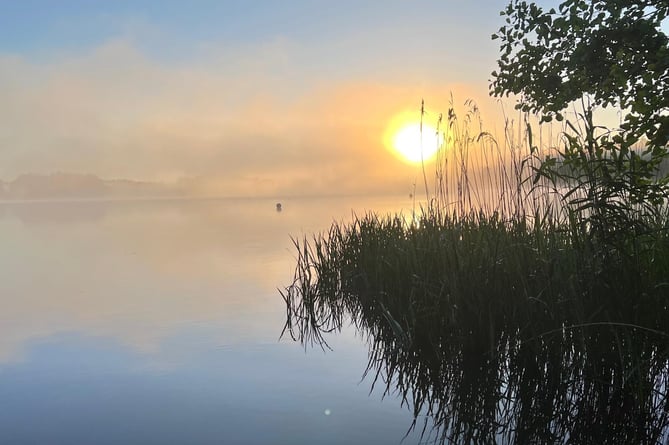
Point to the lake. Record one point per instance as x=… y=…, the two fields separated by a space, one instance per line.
x=159 y=322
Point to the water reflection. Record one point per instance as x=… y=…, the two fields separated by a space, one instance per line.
x=158 y=322
x=136 y=270
x=53 y=212
x=77 y=389
x=508 y=375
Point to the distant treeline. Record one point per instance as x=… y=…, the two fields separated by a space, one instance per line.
x=80 y=186
x=662 y=168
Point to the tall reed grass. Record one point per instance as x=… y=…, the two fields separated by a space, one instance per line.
x=505 y=311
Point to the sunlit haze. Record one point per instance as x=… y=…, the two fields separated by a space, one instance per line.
x=233 y=98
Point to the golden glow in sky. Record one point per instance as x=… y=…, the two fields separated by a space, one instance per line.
x=411 y=143
x=186 y=97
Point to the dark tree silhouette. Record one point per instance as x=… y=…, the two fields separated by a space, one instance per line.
x=614 y=51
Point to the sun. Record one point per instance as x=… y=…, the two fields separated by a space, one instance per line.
x=411 y=143
x=415 y=145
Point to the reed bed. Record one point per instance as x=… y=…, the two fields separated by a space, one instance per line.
x=504 y=311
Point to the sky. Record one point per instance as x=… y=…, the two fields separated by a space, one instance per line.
x=249 y=97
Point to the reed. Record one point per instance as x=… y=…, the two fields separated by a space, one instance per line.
x=514 y=307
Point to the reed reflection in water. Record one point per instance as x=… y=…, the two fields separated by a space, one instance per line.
x=511 y=370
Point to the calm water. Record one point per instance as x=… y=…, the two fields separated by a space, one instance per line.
x=158 y=322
